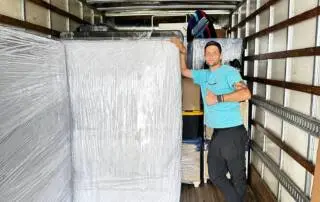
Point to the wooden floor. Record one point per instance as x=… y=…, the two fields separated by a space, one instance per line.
x=208 y=193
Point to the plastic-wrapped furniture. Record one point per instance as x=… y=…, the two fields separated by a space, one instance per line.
x=89 y=120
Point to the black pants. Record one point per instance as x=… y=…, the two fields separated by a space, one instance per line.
x=227 y=153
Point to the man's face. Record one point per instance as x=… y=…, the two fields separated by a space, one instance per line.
x=212 y=55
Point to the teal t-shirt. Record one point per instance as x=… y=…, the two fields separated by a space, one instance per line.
x=220 y=81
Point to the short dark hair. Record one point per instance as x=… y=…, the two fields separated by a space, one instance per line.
x=213 y=43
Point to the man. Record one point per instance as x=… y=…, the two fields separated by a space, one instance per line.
x=222 y=89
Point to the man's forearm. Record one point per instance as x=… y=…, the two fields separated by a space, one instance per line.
x=184 y=70
x=183 y=61
x=183 y=51
x=237 y=96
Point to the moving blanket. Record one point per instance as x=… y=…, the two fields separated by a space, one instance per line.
x=126 y=109
x=35 y=154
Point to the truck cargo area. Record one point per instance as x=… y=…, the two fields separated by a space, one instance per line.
x=93 y=106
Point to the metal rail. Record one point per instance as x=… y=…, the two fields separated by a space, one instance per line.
x=303 y=121
x=291 y=187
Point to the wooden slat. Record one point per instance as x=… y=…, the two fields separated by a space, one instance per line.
x=313 y=51
x=27 y=25
x=315 y=196
x=254 y=14
x=24 y=10
x=296 y=156
x=288 y=85
x=259 y=187
x=59 y=11
x=291 y=21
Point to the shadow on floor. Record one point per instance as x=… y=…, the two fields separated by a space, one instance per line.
x=208 y=193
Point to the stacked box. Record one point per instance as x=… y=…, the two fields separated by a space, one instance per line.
x=190 y=161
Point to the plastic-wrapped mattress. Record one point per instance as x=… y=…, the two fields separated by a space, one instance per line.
x=126 y=102
x=35 y=154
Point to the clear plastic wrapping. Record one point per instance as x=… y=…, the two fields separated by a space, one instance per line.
x=231 y=49
x=126 y=108
x=35 y=160
x=93 y=34
x=123 y=99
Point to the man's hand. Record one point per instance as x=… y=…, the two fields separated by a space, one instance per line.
x=240 y=85
x=185 y=71
x=176 y=41
x=211 y=98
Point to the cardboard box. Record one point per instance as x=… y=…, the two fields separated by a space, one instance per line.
x=191 y=162
x=190 y=95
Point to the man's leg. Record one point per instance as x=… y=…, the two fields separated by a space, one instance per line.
x=217 y=168
x=236 y=160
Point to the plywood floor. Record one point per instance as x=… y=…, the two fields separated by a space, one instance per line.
x=208 y=193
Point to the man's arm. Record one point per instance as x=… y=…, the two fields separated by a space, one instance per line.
x=183 y=57
x=184 y=70
x=241 y=93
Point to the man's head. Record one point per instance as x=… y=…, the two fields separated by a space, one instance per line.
x=212 y=53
